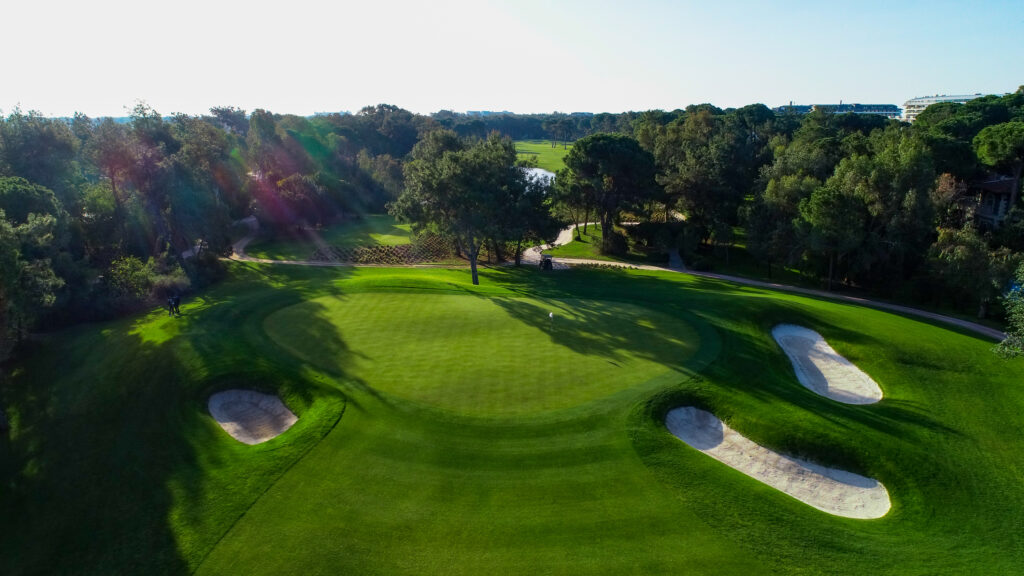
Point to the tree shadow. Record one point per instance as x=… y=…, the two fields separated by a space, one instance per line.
x=114 y=464
x=87 y=466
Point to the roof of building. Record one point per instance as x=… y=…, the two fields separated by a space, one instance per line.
x=942 y=98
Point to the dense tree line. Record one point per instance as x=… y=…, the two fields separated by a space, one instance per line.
x=557 y=127
x=99 y=216
x=880 y=205
x=102 y=216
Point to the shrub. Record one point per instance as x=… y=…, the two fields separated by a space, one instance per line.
x=615 y=244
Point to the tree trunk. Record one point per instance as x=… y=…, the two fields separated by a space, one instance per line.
x=586 y=219
x=499 y=252
x=473 y=252
x=519 y=251
x=606 y=230
x=982 y=307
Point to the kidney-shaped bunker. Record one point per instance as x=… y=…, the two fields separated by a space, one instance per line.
x=249 y=416
x=827 y=489
x=822 y=370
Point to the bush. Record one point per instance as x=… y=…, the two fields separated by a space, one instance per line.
x=131 y=284
x=615 y=244
x=700 y=264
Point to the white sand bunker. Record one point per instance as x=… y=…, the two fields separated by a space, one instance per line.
x=822 y=370
x=827 y=489
x=249 y=416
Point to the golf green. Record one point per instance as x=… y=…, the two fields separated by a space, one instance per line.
x=446 y=428
x=486 y=356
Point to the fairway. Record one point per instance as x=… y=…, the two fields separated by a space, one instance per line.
x=446 y=428
x=547 y=156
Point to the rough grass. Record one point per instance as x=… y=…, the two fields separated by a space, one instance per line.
x=474 y=437
x=547 y=156
x=370 y=230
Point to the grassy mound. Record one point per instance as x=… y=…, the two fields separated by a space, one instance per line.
x=450 y=428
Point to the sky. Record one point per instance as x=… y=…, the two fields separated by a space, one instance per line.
x=528 y=56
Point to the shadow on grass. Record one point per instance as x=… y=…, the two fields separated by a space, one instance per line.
x=85 y=472
x=113 y=464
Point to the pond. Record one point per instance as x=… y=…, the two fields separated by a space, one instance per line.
x=540 y=173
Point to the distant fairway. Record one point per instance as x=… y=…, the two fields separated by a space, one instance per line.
x=547 y=157
x=446 y=428
x=370 y=230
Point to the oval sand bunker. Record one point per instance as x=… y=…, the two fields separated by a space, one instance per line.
x=250 y=417
x=822 y=370
x=827 y=489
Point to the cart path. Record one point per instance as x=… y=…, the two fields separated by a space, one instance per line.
x=533 y=256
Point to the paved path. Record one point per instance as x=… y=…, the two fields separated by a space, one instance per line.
x=533 y=256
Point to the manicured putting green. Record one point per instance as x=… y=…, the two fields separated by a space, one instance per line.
x=486 y=356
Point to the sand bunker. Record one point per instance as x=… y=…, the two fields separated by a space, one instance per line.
x=249 y=416
x=820 y=369
x=827 y=489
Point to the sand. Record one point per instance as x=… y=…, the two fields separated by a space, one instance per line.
x=830 y=490
x=823 y=371
x=250 y=417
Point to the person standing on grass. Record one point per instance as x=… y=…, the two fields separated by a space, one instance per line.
x=170 y=306
x=176 y=303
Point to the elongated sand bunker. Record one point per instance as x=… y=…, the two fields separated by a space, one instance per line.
x=249 y=416
x=827 y=489
x=822 y=370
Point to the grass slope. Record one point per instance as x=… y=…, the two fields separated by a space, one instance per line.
x=475 y=436
x=547 y=156
x=370 y=230
x=587 y=245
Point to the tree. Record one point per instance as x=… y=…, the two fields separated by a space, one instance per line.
x=1013 y=301
x=110 y=150
x=771 y=233
x=40 y=150
x=572 y=198
x=526 y=214
x=1002 y=147
x=619 y=171
x=969 y=269
x=460 y=190
x=835 y=220
x=27 y=280
x=707 y=166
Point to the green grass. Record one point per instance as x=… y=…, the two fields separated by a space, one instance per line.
x=547 y=156
x=452 y=429
x=587 y=245
x=370 y=230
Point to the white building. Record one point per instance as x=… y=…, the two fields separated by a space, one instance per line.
x=914 y=106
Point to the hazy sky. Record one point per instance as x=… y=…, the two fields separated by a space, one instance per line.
x=301 y=56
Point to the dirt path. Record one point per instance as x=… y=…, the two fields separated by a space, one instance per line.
x=533 y=256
